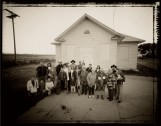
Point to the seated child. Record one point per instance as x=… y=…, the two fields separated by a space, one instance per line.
x=49 y=86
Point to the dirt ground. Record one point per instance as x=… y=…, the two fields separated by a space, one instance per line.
x=137 y=106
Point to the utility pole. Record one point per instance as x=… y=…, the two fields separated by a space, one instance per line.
x=12 y=16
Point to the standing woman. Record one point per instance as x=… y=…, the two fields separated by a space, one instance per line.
x=91 y=79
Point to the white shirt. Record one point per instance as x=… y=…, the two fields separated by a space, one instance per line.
x=49 y=85
x=32 y=88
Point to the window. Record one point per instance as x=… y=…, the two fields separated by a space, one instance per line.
x=86 y=32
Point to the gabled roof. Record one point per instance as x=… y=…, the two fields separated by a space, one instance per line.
x=125 y=38
x=90 y=18
x=129 y=38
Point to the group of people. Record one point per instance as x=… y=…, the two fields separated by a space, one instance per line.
x=76 y=78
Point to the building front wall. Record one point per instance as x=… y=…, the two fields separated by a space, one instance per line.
x=127 y=56
x=97 y=44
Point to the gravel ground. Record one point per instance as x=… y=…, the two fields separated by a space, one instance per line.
x=137 y=106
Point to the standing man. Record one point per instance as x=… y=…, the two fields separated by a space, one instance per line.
x=73 y=66
x=119 y=85
x=41 y=74
x=80 y=65
x=89 y=69
x=83 y=80
x=58 y=67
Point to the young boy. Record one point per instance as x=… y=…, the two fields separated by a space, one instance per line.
x=91 y=79
x=110 y=87
x=49 y=86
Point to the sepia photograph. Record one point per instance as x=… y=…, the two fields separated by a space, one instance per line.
x=79 y=63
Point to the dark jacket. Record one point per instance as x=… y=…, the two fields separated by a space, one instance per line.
x=83 y=77
x=62 y=76
x=119 y=72
x=72 y=78
x=41 y=71
x=58 y=68
x=101 y=81
x=89 y=69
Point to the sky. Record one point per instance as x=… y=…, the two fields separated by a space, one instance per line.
x=37 y=27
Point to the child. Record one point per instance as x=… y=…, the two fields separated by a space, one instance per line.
x=110 y=87
x=72 y=77
x=101 y=82
x=62 y=78
x=91 y=79
x=49 y=86
x=32 y=86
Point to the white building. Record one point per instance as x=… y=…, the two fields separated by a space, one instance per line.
x=91 y=41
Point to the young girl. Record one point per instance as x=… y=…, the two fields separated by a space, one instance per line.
x=101 y=82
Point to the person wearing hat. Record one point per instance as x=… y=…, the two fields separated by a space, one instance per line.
x=89 y=69
x=117 y=79
x=58 y=67
x=73 y=66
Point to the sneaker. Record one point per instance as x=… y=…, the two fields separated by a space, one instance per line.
x=89 y=96
x=92 y=96
x=119 y=101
